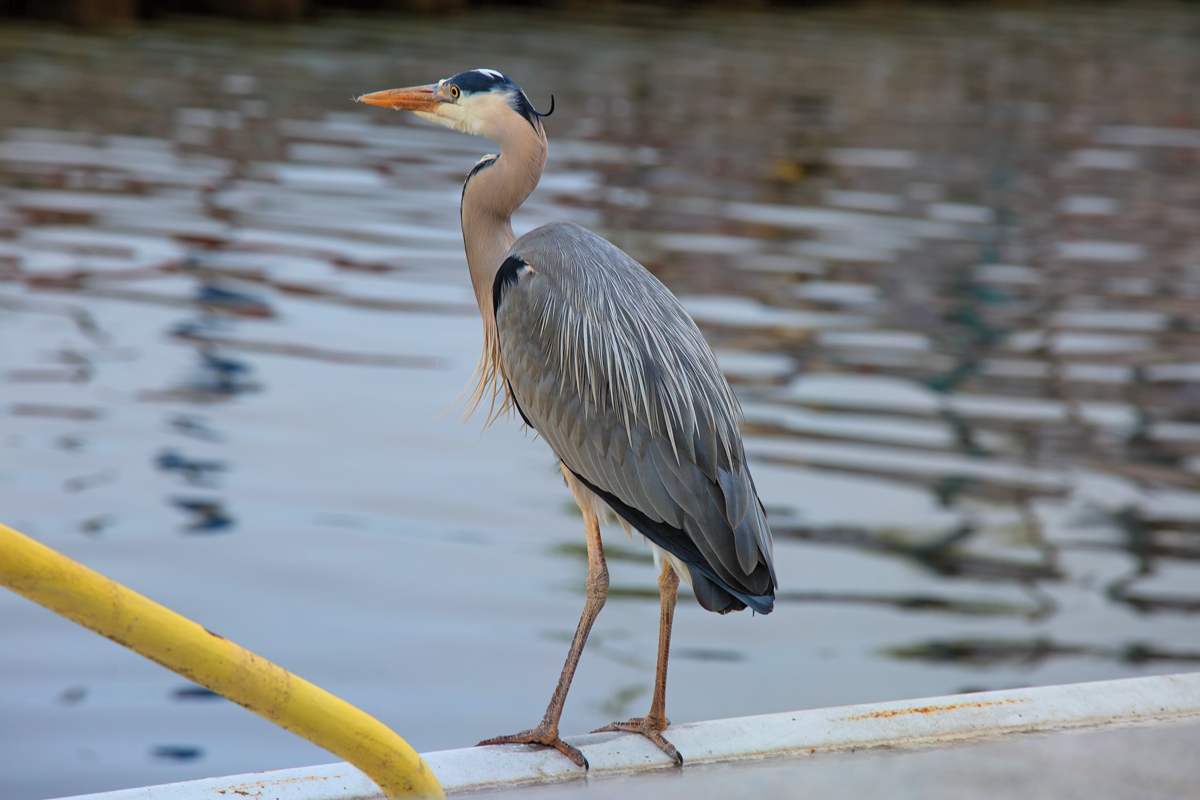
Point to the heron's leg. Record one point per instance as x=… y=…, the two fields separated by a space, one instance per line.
x=597 y=590
x=653 y=724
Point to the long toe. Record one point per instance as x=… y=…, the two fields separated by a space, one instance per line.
x=633 y=726
x=542 y=737
x=665 y=746
x=651 y=729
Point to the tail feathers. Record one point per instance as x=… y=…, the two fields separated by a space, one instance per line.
x=713 y=593
x=721 y=600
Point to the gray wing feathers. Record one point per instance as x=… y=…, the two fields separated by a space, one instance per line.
x=686 y=484
x=738 y=497
x=619 y=382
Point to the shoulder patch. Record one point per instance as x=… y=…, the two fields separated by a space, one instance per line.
x=509 y=272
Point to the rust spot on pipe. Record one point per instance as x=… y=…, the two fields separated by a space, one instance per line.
x=931 y=709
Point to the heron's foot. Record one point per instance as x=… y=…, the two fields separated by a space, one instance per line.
x=651 y=728
x=544 y=736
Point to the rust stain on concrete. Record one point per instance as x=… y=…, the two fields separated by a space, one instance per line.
x=897 y=712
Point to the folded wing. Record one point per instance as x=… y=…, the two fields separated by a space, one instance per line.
x=605 y=364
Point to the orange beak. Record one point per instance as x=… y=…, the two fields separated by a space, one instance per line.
x=414 y=98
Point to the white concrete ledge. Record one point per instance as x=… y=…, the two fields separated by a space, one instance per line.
x=908 y=723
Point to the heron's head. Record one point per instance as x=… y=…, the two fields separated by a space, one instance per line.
x=482 y=102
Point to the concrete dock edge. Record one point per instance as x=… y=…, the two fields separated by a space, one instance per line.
x=800 y=734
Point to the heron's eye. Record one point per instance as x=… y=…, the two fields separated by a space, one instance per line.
x=454 y=92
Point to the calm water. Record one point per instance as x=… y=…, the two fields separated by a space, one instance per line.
x=949 y=259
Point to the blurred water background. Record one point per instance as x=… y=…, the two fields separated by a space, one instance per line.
x=948 y=257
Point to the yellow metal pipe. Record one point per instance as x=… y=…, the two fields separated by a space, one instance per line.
x=82 y=595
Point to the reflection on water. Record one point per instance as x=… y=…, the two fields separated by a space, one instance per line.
x=990 y=652
x=194 y=472
x=206 y=516
x=948 y=259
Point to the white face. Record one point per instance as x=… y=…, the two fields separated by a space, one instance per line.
x=479 y=114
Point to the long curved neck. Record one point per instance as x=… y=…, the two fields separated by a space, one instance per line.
x=490 y=196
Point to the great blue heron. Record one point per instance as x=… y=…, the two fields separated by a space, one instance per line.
x=600 y=359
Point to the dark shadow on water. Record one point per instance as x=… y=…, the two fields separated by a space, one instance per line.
x=213 y=297
x=1032 y=652
x=217 y=378
x=73 y=695
x=1149 y=603
x=943 y=555
x=207 y=515
x=707 y=654
x=1149 y=537
x=195 y=693
x=176 y=752
x=81 y=483
x=945 y=605
x=196 y=472
x=94 y=526
x=194 y=427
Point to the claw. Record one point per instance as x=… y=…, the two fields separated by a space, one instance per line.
x=651 y=729
x=546 y=738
